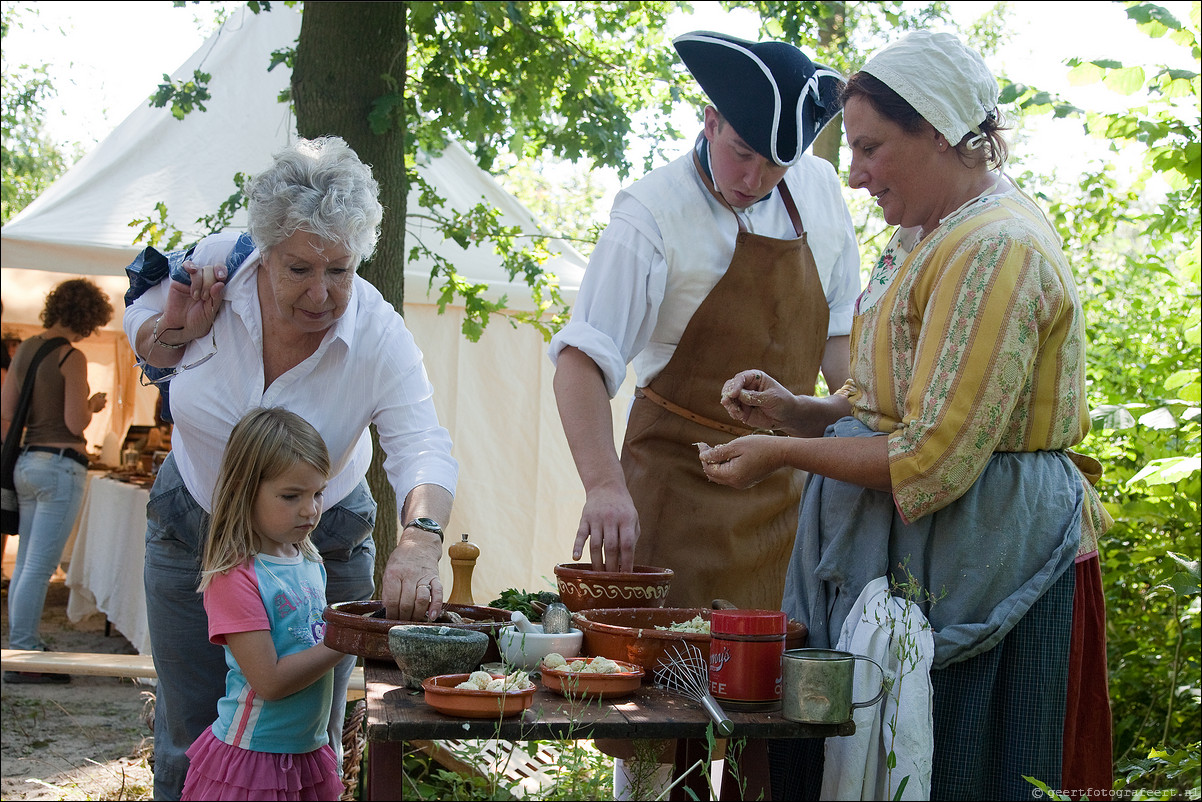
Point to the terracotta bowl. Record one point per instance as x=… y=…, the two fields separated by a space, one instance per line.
x=577 y=684
x=582 y=588
x=630 y=634
x=443 y=696
x=359 y=628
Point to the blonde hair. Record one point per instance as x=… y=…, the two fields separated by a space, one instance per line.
x=263 y=445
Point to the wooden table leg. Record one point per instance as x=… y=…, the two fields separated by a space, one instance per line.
x=746 y=775
x=693 y=759
x=384 y=769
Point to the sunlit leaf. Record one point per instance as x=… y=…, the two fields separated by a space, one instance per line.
x=1125 y=80
x=1167 y=471
x=1160 y=418
x=1112 y=417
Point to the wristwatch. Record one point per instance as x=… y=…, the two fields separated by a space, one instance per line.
x=427 y=525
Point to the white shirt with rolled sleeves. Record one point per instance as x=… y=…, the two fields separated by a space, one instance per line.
x=367 y=369
x=643 y=286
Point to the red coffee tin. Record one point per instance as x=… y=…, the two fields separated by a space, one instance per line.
x=746 y=648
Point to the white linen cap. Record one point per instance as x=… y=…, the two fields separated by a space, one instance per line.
x=945 y=81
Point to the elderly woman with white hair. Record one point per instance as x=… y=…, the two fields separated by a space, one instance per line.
x=293 y=327
x=945 y=467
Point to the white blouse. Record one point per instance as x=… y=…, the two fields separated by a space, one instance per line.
x=367 y=369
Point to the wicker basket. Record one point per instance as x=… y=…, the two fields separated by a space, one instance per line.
x=354 y=738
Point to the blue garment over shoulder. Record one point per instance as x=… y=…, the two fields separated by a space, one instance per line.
x=148 y=269
x=986 y=557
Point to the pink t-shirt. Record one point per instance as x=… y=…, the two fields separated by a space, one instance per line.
x=285 y=596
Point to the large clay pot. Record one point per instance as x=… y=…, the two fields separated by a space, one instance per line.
x=359 y=627
x=582 y=588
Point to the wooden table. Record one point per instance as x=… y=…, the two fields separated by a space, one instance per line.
x=396 y=714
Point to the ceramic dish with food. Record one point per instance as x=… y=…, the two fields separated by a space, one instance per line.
x=582 y=588
x=359 y=627
x=579 y=677
x=458 y=695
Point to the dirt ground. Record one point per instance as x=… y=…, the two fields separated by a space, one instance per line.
x=85 y=740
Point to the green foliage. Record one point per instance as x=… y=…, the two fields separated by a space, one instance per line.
x=564 y=197
x=520 y=601
x=183 y=96
x=30 y=160
x=525 y=80
x=522 y=254
x=579 y=772
x=157 y=231
x=1178 y=765
x=841 y=35
x=1134 y=241
x=541 y=78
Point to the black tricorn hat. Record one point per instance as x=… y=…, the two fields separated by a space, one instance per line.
x=774 y=96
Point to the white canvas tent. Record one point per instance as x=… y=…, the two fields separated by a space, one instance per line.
x=519 y=497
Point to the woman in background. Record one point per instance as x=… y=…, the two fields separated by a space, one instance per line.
x=51 y=471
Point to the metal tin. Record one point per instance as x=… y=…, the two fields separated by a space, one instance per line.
x=746 y=647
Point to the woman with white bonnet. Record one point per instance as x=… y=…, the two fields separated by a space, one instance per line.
x=944 y=461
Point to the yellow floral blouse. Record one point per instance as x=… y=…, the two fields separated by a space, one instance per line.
x=975 y=345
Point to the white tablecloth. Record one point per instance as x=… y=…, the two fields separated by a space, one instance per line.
x=105 y=575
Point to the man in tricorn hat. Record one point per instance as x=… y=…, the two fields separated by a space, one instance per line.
x=739 y=255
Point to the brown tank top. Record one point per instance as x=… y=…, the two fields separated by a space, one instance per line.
x=46 y=422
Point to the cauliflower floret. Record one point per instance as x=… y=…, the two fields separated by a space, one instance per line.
x=554 y=660
x=496 y=686
x=603 y=665
x=696 y=624
x=467 y=686
x=480 y=679
x=577 y=665
x=518 y=681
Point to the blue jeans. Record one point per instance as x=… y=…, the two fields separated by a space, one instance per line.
x=191 y=670
x=49 y=491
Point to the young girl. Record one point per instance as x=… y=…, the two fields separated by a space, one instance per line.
x=264 y=592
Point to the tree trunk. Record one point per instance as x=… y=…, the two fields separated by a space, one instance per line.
x=827 y=143
x=343 y=52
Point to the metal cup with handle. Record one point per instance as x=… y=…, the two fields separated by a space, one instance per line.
x=817 y=685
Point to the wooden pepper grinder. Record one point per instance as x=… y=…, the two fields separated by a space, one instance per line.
x=463 y=561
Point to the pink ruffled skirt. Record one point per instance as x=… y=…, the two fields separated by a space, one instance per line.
x=219 y=771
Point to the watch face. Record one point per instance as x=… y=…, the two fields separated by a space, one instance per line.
x=429 y=524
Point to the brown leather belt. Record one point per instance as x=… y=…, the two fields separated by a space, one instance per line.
x=676 y=409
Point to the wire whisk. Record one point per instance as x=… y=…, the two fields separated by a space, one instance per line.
x=687 y=673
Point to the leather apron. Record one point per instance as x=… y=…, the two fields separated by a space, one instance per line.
x=768 y=312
